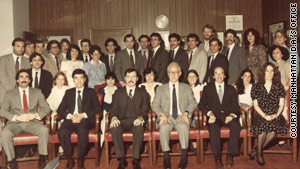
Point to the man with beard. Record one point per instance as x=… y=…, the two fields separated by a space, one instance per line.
x=209 y=32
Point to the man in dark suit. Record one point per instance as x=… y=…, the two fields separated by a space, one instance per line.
x=159 y=60
x=109 y=59
x=20 y=107
x=215 y=60
x=78 y=109
x=129 y=113
x=85 y=46
x=128 y=58
x=235 y=55
x=177 y=54
x=219 y=103
x=144 y=41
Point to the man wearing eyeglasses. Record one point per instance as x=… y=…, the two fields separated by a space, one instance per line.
x=53 y=59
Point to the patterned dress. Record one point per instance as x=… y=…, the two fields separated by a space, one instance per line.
x=269 y=104
x=256 y=59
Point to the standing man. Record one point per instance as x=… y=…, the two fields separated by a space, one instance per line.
x=128 y=58
x=159 y=60
x=129 y=113
x=178 y=55
x=144 y=41
x=235 y=55
x=219 y=103
x=29 y=48
x=39 y=47
x=174 y=112
x=20 y=107
x=85 y=47
x=65 y=44
x=209 y=32
x=78 y=108
x=197 y=56
x=109 y=59
x=53 y=59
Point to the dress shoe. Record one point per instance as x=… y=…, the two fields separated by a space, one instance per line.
x=182 y=164
x=136 y=164
x=262 y=162
x=229 y=161
x=13 y=164
x=167 y=164
x=122 y=163
x=31 y=151
x=42 y=164
x=70 y=164
x=252 y=155
x=218 y=164
x=80 y=164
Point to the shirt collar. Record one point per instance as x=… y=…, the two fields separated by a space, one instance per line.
x=128 y=50
x=33 y=71
x=217 y=84
x=26 y=90
x=194 y=49
x=80 y=89
x=231 y=46
x=171 y=84
x=15 y=56
x=156 y=48
x=215 y=55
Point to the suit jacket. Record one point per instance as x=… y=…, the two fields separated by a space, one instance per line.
x=201 y=47
x=123 y=62
x=12 y=104
x=104 y=59
x=90 y=103
x=50 y=63
x=199 y=63
x=120 y=102
x=162 y=101
x=210 y=101
x=8 y=73
x=159 y=62
x=237 y=62
x=46 y=82
x=182 y=59
x=221 y=61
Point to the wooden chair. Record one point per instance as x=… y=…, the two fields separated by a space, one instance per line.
x=194 y=135
x=292 y=149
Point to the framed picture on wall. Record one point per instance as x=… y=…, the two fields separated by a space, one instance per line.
x=272 y=30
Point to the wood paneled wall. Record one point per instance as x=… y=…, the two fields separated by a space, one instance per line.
x=185 y=16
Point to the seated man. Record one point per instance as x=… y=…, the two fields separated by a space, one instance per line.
x=20 y=108
x=129 y=113
x=219 y=102
x=174 y=104
x=78 y=108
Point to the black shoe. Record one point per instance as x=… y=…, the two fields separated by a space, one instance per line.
x=42 y=163
x=182 y=164
x=229 y=161
x=261 y=163
x=13 y=164
x=80 y=164
x=70 y=164
x=252 y=155
x=31 y=151
x=167 y=164
x=122 y=163
x=218 y=164
x=136 y=164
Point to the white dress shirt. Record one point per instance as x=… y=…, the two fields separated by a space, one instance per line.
x=33 y=76
x=76 y=105
x=171 y=97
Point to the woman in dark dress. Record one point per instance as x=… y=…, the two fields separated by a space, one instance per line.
x=267 y=121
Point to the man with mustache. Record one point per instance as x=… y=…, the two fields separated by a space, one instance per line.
x=20 y=108
x=129 y=113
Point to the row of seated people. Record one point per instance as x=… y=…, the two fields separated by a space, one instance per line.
x=174 y=104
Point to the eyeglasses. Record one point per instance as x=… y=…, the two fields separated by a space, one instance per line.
x=174 y=73
x=54 y=47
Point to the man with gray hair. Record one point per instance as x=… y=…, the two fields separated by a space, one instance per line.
x=174 y=112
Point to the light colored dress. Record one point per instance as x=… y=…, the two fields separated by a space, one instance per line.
x=69 y=66
x=245 y=99
x=150 y=89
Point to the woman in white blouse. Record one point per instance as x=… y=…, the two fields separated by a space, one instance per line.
x=193 y=81
x=74 y=61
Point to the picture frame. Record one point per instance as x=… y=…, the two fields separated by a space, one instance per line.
x=234 y=22
x=272 y=30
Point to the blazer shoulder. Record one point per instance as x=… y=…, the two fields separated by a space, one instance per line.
x=46 y=72
x=184 y=85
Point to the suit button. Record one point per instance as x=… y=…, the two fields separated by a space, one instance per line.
x=222 y=111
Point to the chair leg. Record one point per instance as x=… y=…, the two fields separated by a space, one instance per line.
x=295 y=150
x=150 y=152
x=52 y=147
x=249 y=144
x=49 y=152
x=154 y=151
x=198 y=151
x=245 y=148
x=106 y=153
x=201 y=150
x=97 y=154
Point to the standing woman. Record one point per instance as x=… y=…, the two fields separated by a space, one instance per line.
x=255 y=52
x=267 y=121
x=95 y=69
x=74 y=61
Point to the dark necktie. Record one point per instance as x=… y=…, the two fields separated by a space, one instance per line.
x=57 y=63
x=86 y=58
x=172 y=54
x=191 y=56
x=79 y=102
x=212 y=59
x=111 y=66
x=36 y=80
x=145 y=59
x=25 y=104
x=17 y=65
x=131 y=58
x=130 y=94
x=174 y=105
x=227 y=53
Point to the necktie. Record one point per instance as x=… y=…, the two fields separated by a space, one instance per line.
x=191 y=56
x=206 y=47
x=212 y=59
x=174 y=105
x=130 y=94
x=79 y=102
x=131 y=58
x=17 y=65
x=220 y=94
x=172 y=54
x=57 y=63
x=86 y=58
x=227 y=53
x=36 y=80
x=111 y=66
x=145 y=59
x=25 y=104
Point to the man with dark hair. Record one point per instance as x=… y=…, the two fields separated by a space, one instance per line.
x=20 y=107
x=235 y=55
x=65 y=44
x=219 y=103
x=109 y=59
x=159 y=59
x=209 y=32
x=77 y=117
x=128 y=58
x=177 y=54
x=29 y=48
x=53 y=59
x=144 y=41
x=197 y=56
x=85 y=47
x=39 y=47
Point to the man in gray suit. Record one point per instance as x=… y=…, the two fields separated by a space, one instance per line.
x=128 y=58
x=235 y=55
x=53 y=59
x=174 y=104
x=20 y=108
x=197 y=56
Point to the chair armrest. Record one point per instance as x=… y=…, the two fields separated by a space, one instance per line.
x=97 y=118
x=47 y=121
x=243 y=114
x=56 y=118
x=197 y=118
x=107 y=116
x=249 y=112
x=150 y=121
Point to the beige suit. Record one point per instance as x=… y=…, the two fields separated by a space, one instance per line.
x=12 y=106
x=199 y=63
x=50 y=63
x=208 y=52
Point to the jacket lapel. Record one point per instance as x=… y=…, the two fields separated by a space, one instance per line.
x=233 y=52
x=215 y=92
x=31 y=97
x=18 y=98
